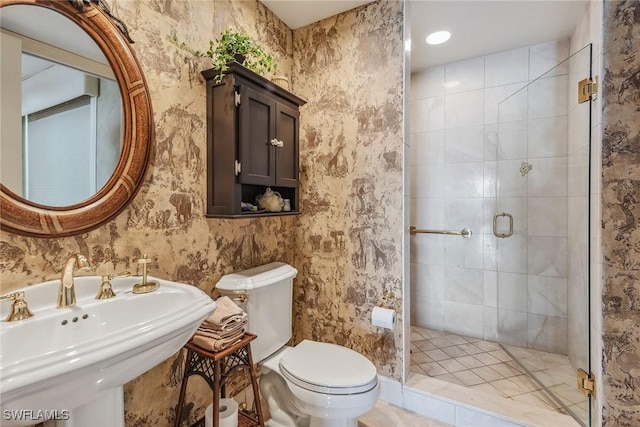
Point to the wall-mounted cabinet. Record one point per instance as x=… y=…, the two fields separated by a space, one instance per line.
x=252 y=142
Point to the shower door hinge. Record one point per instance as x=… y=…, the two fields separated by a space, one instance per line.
x=587 y=89
x=586 y=383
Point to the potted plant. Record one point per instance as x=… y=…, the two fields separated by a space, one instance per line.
x=232 y=46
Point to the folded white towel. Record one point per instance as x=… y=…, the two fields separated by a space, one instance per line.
x=231 y=323
x=205 y=330
x=226 y=311
x=212 y=344
x=223 y=328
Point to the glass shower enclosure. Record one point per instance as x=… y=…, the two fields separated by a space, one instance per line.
x=541 y=224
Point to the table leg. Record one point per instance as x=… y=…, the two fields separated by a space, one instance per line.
x=254 y=386
x=216 y=393
x=183 y=389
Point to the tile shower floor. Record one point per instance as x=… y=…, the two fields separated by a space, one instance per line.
x=486 y=367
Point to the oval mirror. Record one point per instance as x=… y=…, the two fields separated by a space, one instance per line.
x=76 y=129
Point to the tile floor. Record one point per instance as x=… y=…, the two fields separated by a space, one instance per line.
x=557 y=374
x=486 y=367
x=458 y=405
x=386 y=415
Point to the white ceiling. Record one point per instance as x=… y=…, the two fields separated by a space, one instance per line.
x=298 y=13
x=52 y=28
x=481 y=27
x=32 y=65
x=478 y=27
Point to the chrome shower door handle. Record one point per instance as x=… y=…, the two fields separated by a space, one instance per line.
x=495 y=225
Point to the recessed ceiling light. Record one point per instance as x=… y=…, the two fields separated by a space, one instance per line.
x=438 y=37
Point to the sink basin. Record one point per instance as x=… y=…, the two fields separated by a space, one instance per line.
x=72 y=362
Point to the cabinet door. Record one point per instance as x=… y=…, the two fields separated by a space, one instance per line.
x=287 y=154
x=256 y=129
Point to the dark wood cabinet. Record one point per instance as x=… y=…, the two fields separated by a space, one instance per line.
x=252 y=142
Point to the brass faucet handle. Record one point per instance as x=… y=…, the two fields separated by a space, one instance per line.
x=19 y=308
x=117 y=275
x=106 y=291
x=12 y=296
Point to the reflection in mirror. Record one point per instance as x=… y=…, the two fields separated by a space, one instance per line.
x=62 y=111
x=80 y=37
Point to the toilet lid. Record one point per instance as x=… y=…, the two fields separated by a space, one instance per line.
x=328 y=368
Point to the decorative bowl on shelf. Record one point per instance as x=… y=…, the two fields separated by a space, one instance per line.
x=270 y=201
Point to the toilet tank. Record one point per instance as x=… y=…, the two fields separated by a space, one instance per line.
x=269 y=291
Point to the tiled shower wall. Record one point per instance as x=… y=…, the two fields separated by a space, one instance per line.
x=453 y=166
x=588 y=30
x=578 y=204
x=532 y=264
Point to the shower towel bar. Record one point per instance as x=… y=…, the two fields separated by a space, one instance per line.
x=465 y=232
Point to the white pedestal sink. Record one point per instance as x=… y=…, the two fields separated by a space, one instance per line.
x=70 y=364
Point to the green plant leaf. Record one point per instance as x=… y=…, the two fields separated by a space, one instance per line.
x=224 y=50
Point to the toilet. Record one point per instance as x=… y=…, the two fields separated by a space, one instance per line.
x=313 y=384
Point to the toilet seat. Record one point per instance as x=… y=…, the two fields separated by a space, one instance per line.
x=328 y=368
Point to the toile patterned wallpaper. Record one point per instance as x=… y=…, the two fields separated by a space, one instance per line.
x=349 y=239
x=621 y=214
x=166 y=219
x=346 y=245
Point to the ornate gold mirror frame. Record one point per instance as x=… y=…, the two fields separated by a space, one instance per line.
x=20 y=216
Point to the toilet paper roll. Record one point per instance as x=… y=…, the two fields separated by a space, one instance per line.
x=228 y=414
x=383 y=317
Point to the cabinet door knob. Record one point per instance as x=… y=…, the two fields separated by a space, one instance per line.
x=280 y=144
x=274 y=142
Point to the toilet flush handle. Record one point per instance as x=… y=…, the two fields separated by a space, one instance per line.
x=241 y=298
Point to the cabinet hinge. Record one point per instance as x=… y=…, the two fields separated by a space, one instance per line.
x=237 y=99
x=586 y=383
x=238 y=167
x=587 y=89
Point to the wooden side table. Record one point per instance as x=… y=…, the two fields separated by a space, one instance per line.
x=215 y=368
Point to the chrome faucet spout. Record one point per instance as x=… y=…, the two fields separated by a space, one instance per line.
x=67 y=291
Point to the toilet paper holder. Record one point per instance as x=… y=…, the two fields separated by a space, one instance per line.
x=384 y=316
x=388 y=299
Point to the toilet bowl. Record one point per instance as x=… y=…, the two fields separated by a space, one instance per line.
x=326 y=383
x=313 y=384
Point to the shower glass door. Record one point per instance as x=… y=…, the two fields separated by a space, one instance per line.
x=541 y=230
